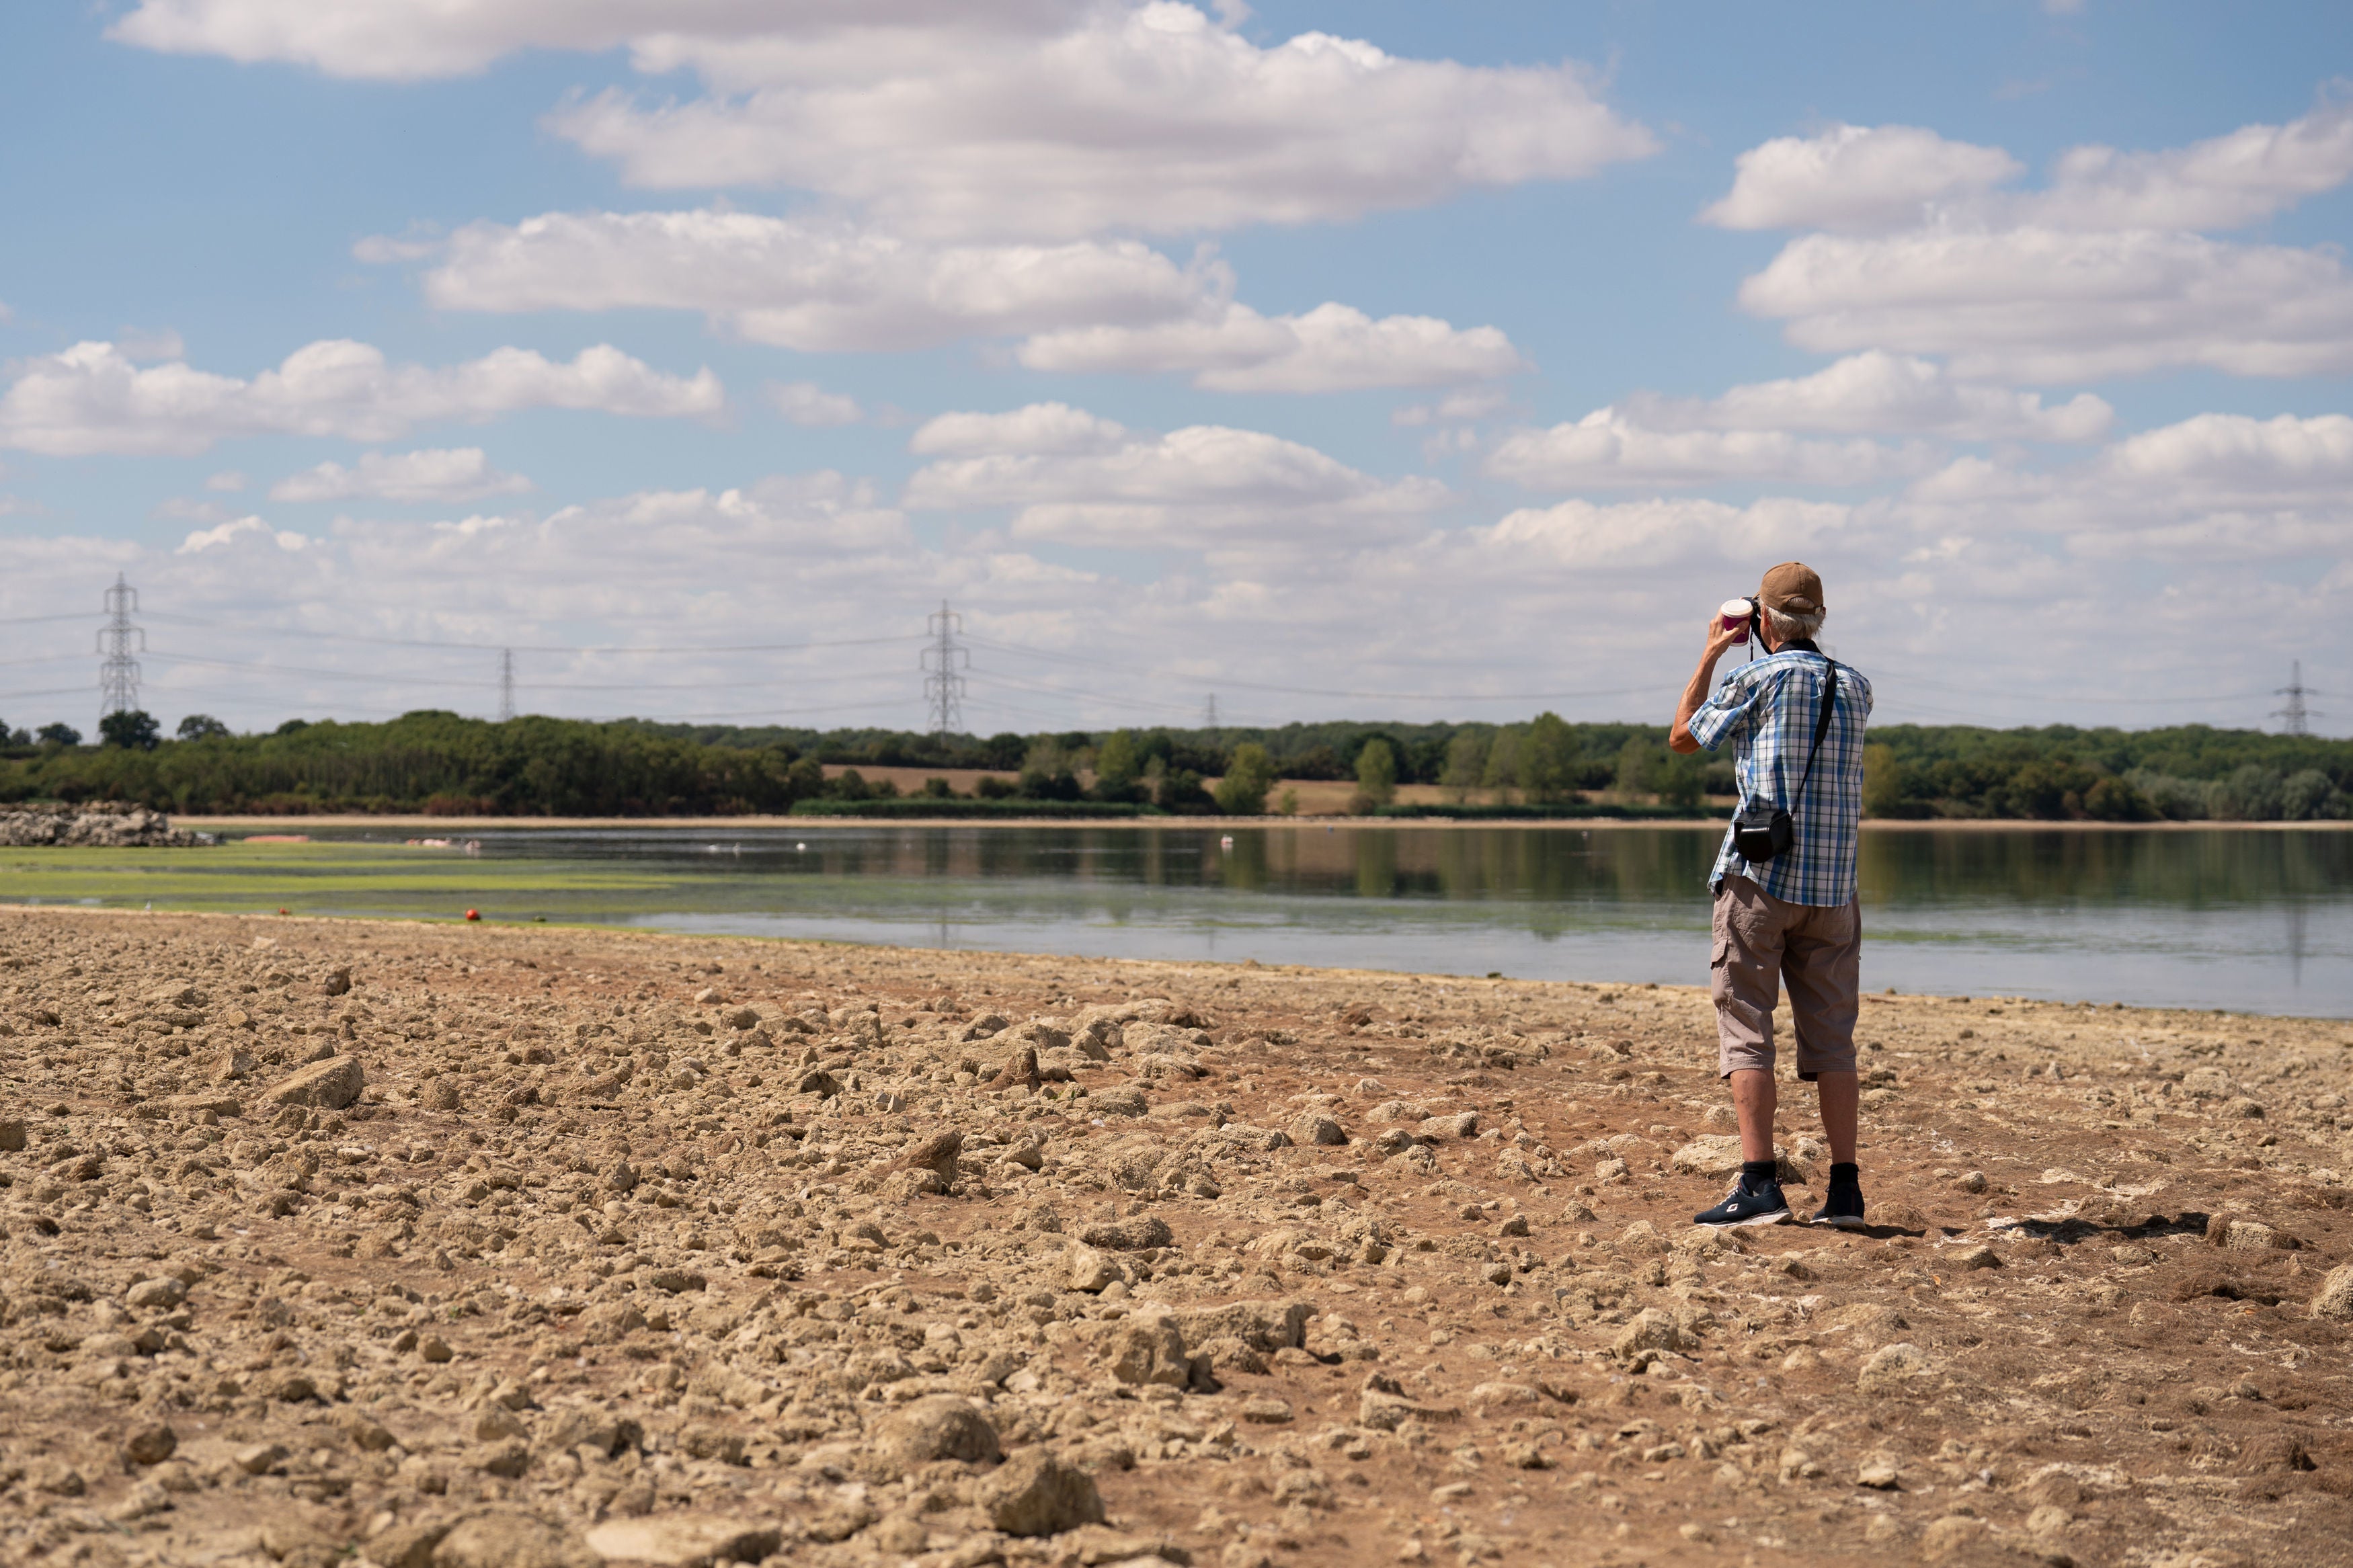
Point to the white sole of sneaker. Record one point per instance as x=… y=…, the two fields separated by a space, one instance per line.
x=1842 y=1222
x=1780 y=1216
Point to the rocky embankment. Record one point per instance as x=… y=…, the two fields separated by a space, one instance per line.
x=101 y=824
x=430 y=1246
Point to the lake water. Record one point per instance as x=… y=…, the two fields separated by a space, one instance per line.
x=2252 y=920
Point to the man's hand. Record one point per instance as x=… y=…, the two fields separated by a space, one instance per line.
x=1722 y=639
x=1719 y=638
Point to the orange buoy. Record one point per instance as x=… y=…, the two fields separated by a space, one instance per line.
x=473 y=914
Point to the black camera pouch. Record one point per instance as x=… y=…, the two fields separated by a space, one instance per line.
x=1761 y=830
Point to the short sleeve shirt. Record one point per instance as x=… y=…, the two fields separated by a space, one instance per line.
x=1768 y=708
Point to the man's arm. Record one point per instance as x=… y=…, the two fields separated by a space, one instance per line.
x=1679 y=735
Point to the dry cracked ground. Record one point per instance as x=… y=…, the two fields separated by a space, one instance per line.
x=423 y=1245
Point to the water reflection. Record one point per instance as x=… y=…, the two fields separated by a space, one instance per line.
x=2206 y=918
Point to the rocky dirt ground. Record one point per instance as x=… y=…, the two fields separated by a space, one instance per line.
x=423 y=1246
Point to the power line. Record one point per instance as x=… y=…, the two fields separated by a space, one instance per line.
x=993 y=645
x=548 y=647
x=47 y=691
x=118 y=672
x=942 y=686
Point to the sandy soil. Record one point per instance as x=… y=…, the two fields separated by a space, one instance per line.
x=436 y=1245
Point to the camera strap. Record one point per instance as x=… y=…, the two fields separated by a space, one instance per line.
x=1821 y=727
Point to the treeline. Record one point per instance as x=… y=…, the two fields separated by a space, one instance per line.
x=439 y=763
x=2189 y=772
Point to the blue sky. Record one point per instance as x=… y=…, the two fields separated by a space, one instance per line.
x=1180 y=354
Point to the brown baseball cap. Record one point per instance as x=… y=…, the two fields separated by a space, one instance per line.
x=1793 y=589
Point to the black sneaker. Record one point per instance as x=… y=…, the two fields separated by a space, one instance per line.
x=1762 y=1204
x=1843 y=1208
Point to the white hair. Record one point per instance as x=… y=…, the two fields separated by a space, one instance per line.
x=1787 y=626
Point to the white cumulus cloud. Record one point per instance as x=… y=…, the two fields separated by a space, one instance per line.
x=1191 y=487
x=1880 y=394
x=1083 y=305
x=812 y=285
x=807 y=402
x=1884 y=178
x=1606 y=448
x=1035 y=118
x=227 y=533
x=92 y=398
x=1331 y=348
x=1576 y=534
x=1854 y=176
x=2108 y=271
x=408 y=40
x=434 y=474
x=2058 y=305
x=1053 y=429
x=1150 y=117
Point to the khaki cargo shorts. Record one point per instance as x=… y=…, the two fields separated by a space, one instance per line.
x=1762 y=943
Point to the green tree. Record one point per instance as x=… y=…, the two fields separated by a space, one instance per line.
x=1679 y=783
x=1377 y=774
x=1638 y=766
x=1047 y=773
x=1466 y=764
x=1883 y=782
x=1116 y=767
x=1242 y=790
x=2307 y=794
x=2113 y=800
x=201 y=727
x=1549 y=765
x=131 y=728
x=58 y=735
x=1503 y=770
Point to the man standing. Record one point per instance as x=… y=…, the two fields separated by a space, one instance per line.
x=1790 y=915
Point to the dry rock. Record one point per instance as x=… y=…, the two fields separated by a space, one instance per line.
x=939 y=1426
x=1150 y=1348
x=936 y=1154
x=1262 y=1325
x=1312 y=1129
x=1034 y=1493
x=1652 y=1329
x=502 y=1538
x=1893 y=1369
x=331 y=1084
x=161 y=1293
x=684 y=1540
x=2333 y=1300
x=1092 y=1271
x=150 y=1445
x=1128 y=1234
x=100 y=823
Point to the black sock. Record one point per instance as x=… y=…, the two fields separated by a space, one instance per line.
x=1846 y=1172
x=1758 y=1173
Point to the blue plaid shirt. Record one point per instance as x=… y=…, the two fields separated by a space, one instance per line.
x=1768 y=708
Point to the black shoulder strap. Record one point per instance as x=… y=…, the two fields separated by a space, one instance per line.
x=1821 y=728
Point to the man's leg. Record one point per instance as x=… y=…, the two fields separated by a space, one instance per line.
x=1841 y=1095
x=1745 y=978
x=1821 y=966
x=1755 y=1098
